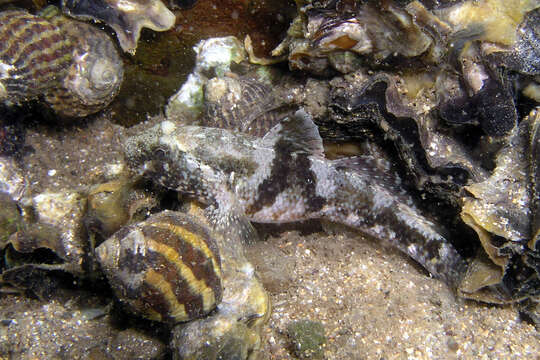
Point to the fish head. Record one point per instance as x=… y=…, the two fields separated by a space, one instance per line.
x=166 y=155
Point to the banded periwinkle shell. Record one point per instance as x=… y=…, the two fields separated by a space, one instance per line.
x=73 y=66
x=34 y=56
x=95 y=75
x=166 y=268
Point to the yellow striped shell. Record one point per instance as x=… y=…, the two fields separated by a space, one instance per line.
x=166 y=268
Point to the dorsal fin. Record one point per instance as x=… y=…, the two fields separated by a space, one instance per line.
x=299 y=132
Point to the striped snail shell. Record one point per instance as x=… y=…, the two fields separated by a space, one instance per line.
x=73 y=65
x=166 y=268
x=95 y=74
x=34 y=56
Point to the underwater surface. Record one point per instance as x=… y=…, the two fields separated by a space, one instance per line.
x=269 y=179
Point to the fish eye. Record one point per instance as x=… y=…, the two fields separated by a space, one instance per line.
x=161 y=153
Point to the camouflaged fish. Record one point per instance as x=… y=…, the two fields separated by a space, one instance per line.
x=284 y=177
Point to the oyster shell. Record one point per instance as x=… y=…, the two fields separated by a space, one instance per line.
x=503 y=212
x=320 y=30
x=450 y=124
x=215 y=56
x=524 y=55
x=52 y=226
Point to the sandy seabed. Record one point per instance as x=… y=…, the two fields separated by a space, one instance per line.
x=374 y=302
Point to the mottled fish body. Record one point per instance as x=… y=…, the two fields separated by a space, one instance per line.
x=284 y=177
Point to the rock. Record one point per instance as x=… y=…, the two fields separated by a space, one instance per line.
x=307 y=339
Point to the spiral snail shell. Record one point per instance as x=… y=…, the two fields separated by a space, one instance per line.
x=95 y=74
x=34 y=56
x=72 y=65
x=166 y=268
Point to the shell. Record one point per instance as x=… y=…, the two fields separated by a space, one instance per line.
x=126 y=17
x=52 y=237
x=73 y=65
x=95 y=75
x=439 y=85
x=503 y=211
x=245 y=105
x=34 y=56
x=116 y=203
x=393 y=32
x=320 y=30
x=166 y=268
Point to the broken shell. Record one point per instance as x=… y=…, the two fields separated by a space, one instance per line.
x=216 y=55
x=498 y=18
x=10 y=218
x=117 y=203
x=166 y=268
x=53 y=226
x=524 y=56
x=504 y=214
x=127 y=18
x=12 y=179
x=320 y=30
